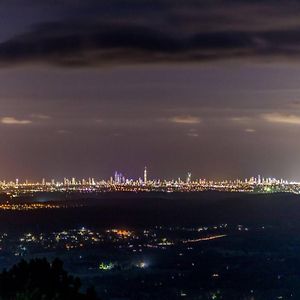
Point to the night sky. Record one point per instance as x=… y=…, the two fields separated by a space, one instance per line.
x=90 y=87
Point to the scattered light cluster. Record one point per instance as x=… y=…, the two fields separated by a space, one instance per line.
x=29 y=206
x=133 y=241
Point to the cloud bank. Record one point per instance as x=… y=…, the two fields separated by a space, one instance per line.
x=130 y=32
x=282 y=118
x=14 y=121
x=189 y=120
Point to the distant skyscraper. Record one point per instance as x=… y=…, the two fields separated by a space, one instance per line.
x=116 y=177
x=145 y=175
x=189 y=178
x=119 y=178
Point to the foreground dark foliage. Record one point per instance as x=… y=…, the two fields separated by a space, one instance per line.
x=40 y=280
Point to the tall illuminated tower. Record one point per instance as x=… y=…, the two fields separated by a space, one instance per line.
x=145 y=175
x=189 y=178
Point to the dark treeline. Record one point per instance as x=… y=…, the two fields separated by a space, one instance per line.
x=38 y=279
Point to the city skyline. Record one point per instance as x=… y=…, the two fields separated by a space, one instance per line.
x=120 y=183
x=144 y=176
x=118 y=178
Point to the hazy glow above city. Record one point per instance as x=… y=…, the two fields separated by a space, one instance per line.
x=85 y=90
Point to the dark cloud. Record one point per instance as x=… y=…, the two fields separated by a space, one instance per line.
x=142 y=32
x=102 y=44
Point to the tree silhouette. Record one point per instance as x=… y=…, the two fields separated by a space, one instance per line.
x=38 y=279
